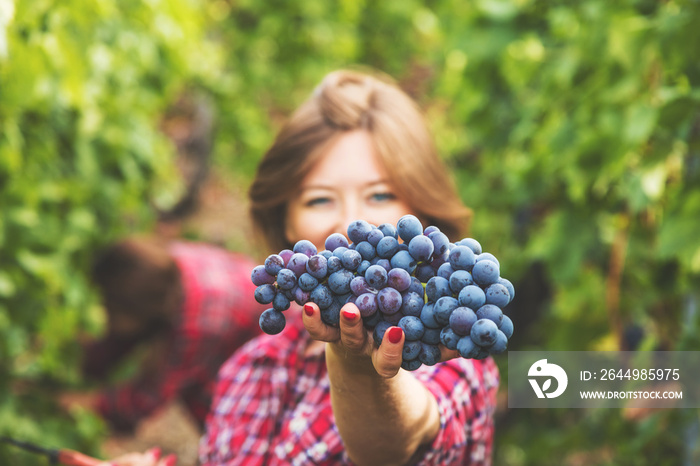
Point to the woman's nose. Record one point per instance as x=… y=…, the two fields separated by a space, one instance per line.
x=351 y=211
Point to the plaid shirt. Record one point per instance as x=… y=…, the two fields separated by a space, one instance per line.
x=219 y=315
x=272 y=406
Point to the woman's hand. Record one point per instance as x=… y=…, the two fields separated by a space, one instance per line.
x=150 y=457
x=356 y=344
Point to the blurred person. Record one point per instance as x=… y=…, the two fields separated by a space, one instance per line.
x=358 y=148
x=191 y=304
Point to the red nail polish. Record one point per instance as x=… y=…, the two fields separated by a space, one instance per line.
x=394 y=334
x=348 y=315
x=170 y=460
x=156 y=452
x=308 y=309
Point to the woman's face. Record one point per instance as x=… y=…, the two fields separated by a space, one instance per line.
x=347 y=184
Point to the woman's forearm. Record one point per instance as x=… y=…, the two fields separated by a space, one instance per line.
x=381 y=420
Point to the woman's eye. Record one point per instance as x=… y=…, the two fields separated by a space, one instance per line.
x=316 y=201
x=382 y=197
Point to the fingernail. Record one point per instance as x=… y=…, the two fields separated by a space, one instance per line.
x=156 y=452
x=394 y=334
x=308 y=309
x=170 y=460
x=348 y=315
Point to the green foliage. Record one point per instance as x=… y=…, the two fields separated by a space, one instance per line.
x=574 y=132
x=573 y=129
x=83 y=86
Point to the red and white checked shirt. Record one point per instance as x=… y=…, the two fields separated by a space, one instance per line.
x=219 y=315
x=272 y=406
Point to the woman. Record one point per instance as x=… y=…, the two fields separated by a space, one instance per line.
x=357 y=149
x=313 y=394
x=189 y=303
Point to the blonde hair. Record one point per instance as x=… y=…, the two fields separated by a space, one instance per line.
x=346 y=101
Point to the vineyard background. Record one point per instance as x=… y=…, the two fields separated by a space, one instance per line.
x=573 y=129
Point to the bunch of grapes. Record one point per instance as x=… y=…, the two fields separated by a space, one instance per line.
x=438 y=292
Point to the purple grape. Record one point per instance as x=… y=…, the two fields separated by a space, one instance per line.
x=403 y=260
x=441 y=243
x=358 y=231
x=358 y=286
x=351 y=259
x=383 y=263
x=472 y=244
x=459 y=279
x=372 y=321
x=449 y=338
x=509 y=286
x=300 y=296
x=445 y=271
x=416 y=287
x=467 y=348
x=326 y=253
x=273 y=264
x=264 y=294
x=317 y=266
x=462 y=319
x=443 y=308
x=472 y=297
x=339 y=282
x=260 y=277
x=375 y=236
x=387 y=247
x=280 y=302
x=497 y=295
x=297 y=263
x=339 y=251
x=424 y=272
x=322 y=296
x=366 y=250
x=389 y=230
x=376 y=276
x=412 y=327
x=438 y=260
x=272 y=321
x=412 y=304
x=398 y=279
x=436 y=288
x=333 y=265
x=305 y=247
x=484 y=332
x=462 y=258
x=427 y=316
x=429 y=354
x=431 y=336
x=411 y=365
x=430 y=229
x=409 y=227
x=335 y=241
x=286 y=280
x=379 y=332
x=307 y=282
x=286 y=254
x=331 y=314
x=485 y=272
x=411 y=350
x=506 y=326
x=421 y=248
x=487 y=256
x=367 y=304
x=389 y=300
x=364 y=265
x=500 y=344
x=393 y=319
x=491 y=312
